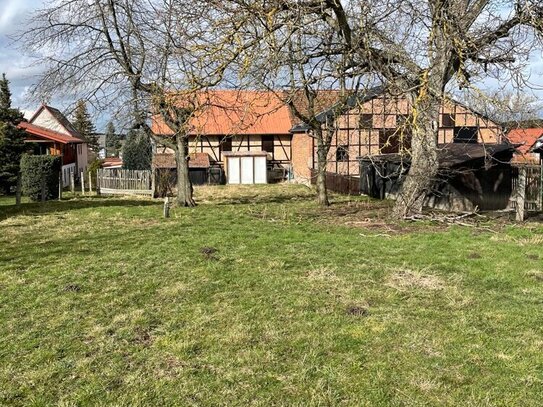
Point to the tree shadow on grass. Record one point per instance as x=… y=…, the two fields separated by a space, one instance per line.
x=66 y=205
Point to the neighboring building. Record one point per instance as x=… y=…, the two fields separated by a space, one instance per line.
x=373 y=124
x=527 y=142
x=235 y=121
x=52 y=133
x=471 y=176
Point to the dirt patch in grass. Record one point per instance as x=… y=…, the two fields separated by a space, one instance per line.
x=474 y=256
x=532 y=256
x=72 y=288
x=209 y=253
x=404 y=280
x=535 y=274
x=357 y=311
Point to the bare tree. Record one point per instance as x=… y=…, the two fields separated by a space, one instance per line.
x=296 y=50
x=113 y=51
x=422 y=48
x=511 y=108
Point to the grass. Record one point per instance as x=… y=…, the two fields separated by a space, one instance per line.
x=258 y=297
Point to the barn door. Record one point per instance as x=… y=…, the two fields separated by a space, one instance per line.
x=247 y=170
x=260 y=170
x=234 y=170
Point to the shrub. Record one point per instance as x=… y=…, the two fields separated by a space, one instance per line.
x=34 y=169
x=92 y=169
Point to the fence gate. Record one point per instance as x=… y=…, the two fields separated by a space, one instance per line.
x=529 y=177
x=116 y=181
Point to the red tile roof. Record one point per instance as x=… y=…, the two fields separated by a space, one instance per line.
x=48 y=134
x=234 y=112
x=166 y=160
x=525 y=138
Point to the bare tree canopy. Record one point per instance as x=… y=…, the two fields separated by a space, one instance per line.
x=510 y=108
x=113 y=51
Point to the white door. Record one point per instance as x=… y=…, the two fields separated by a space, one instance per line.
x=260 y=170
x=247 y=168
x=233 y=170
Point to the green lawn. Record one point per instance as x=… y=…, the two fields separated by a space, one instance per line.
x=104 y=302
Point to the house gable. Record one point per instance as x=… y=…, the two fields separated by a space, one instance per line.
x=52 y=119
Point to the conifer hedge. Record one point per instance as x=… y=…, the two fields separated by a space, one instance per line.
x=38 y=169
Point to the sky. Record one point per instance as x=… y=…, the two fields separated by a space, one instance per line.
x=13 y=14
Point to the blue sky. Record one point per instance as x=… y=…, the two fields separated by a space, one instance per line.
x=13 y=14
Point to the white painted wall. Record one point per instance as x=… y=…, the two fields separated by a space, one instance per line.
x=47 y=120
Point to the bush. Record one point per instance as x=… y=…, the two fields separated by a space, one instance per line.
x=34 y=169
x=92 y=169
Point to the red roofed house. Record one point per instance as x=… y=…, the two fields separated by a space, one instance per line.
x=528 y=141
x=233 y=121
x=53 y=134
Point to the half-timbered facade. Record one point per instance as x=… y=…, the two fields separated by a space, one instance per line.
x=376 y=124
x=237 y=121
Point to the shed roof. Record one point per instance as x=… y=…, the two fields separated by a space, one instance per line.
x=48 y=134
x=245 y=154
x=455 y=154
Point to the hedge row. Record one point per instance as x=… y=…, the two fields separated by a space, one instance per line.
x=40 y=171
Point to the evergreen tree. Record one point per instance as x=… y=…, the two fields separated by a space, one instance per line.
x=11 y=139
x=113 y=140
x=137 y=151
x=83 y=124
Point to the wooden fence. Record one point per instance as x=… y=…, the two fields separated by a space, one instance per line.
x=527 y=185
x=116 y=181
x=342 y=184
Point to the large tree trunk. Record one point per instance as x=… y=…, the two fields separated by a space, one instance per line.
x=184 y=186
x=424 y=163
x=322 y=160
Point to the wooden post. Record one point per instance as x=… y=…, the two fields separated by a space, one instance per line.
x=60 y=185
x=18 y=190
x=83 y=183
x=98 y=173
x=521 y=194
x=166 y=207
x=43 y=192
x=72 y=181
x=153 y=181
x=90 y=183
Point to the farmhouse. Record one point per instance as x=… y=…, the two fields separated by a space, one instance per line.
x=233 y=121
x=51 y=133
x=374 y=124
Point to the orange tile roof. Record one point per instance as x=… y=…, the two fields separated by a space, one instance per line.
x=234 y=112
x=48 y=134
x=525 y=138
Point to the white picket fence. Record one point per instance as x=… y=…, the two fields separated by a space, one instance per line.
x=116 y=181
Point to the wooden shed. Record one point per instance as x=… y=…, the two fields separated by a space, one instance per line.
x=246 y=167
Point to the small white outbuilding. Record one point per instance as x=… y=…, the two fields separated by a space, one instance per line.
x=246 y=167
